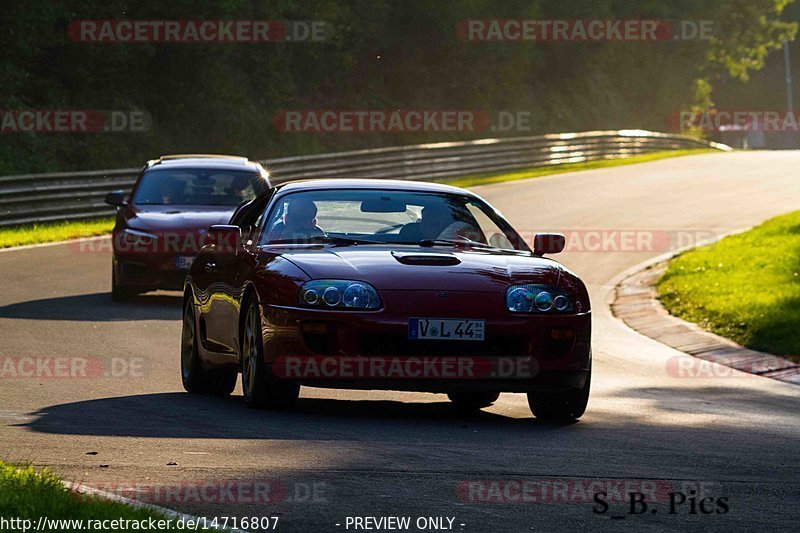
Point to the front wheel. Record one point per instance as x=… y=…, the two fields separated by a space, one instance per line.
x=120 y=293
x=472 y=401
x=260 y=387
x=568 y=405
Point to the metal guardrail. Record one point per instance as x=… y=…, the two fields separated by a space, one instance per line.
x=31 y=198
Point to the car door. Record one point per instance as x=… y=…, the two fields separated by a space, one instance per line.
x=227 y=276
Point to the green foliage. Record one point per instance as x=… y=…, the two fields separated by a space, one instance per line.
x=27 y=493
x=745 y=287
x=382 y=55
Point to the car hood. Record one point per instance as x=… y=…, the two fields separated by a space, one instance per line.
x=177 y=218
x=397 y=268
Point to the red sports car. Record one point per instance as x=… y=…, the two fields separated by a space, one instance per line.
x=163 y=225
x=377 y=284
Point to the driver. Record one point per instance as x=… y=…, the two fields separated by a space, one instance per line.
x=299 y=222
x=438 y=222
x=170 y=190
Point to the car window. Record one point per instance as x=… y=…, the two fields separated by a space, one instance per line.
x=197 y=187
x=385 y=216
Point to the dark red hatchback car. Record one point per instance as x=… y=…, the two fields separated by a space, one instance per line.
x=377 y=284
x=164 y=223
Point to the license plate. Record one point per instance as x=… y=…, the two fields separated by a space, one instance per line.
x=445 y=329
x=183 y=262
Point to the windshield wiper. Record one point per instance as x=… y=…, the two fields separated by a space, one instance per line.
x=326 y=239
x=454 y=242
x=468 y=243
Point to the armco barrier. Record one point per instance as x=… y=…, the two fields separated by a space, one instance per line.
x=30 y=198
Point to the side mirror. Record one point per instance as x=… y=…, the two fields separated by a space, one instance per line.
x=548 y=243
x=116 y=198
x=227 y=239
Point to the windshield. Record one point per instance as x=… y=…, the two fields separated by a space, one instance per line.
x=384 y=216
x=197 y=187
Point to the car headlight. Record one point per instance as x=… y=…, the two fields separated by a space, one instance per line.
x=538 y=299
x=338 y=294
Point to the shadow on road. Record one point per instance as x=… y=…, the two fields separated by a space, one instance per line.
x=180 y=415
x=97 y=307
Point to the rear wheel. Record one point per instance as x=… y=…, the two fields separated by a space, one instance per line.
x=218 y=381
x=192 y=375
x=260 y=387
x=561 y=406
x=472 y=401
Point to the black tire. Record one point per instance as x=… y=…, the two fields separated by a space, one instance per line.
x=192 y=374
x=472 y=401
x=561 y=406
x=260 y=387
x=218 y=381
x=222 y=381
x=120 y=293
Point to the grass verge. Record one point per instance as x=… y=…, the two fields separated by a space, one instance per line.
x=28 y=494
x=57 y=231
x=486 y=179
x=746 y=287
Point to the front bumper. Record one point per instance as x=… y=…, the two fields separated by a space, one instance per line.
x=149 y=272
x=371 y=350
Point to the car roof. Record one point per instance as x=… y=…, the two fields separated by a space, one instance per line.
x=209 y=161
x=373 y=183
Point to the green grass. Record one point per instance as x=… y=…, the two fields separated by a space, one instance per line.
x=486 y=179
x=28 y=494
x=57 y=231
x=746 y=287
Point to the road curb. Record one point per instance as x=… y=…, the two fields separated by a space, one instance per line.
x=52 y=243
x=636 y=304
x=169 y=513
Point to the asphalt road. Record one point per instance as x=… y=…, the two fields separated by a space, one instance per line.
x=346 y=453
